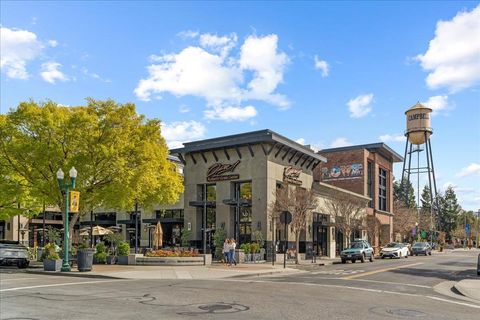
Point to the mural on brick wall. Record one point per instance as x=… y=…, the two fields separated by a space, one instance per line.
x=349 y=171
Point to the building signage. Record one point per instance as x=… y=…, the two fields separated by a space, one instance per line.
x=418 y=116
x=221 y=172
x=350 y=171
x=74 y=201
x=292 y=175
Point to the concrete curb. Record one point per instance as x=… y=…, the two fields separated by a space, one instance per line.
x=72 y=274
x=269 y=273
x=447 y=288
x=464 y=287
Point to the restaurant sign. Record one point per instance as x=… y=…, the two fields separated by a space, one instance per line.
x=350 y=171
x=292 y=175
x=222 y=172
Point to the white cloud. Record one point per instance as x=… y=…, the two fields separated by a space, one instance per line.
x=453 y=54
x=51 y=73
x=18 y=48
x=230 y=113
x=52 y=43
x=392 y=138
x=212 y=72
x=471 y=170
x=193 y=71
x=260 y=55
x=340 y=142
x=322 y=65
x=218 y=44
x=360 y=106
x=437 y=104
x=176 y=133
x=301 y=141
x=94 y=75
x=188 y=34
x=184 y=109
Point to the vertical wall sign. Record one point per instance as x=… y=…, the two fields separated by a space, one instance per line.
x=292 y=175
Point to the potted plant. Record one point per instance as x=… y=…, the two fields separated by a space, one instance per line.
x=114 y=239
x=219 y=239
x=246 y=250
x=84 y=257
x=51 y=259
x=123 y=252
x=186 y=235
x=100 y=255
x=254 y=248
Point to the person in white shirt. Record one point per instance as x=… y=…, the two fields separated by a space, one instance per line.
x=226 y=251
x=233 y=245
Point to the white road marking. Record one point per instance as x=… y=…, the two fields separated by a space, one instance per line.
x=14 y=279
x=62 y=284
x=361 y=289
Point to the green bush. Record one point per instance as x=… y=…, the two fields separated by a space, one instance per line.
x=254 y=247
x=245 y=247
x=123 y=249
x=101 y=248
x=50 y=253
x=100 y=257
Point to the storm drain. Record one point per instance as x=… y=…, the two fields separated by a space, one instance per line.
x=214 y=308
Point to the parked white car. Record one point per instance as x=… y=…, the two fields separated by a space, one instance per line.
x=394 y=250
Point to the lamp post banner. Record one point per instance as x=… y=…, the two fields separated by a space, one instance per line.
x=74 y=201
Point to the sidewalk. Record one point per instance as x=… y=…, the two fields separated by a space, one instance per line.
x=215 y=271
x=469 y=288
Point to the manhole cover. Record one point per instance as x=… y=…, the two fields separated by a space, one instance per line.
x=404 y=313
x=407 y=313
x=215 y=307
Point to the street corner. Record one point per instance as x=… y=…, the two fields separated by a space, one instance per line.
x=449 y=289
x=469 y=288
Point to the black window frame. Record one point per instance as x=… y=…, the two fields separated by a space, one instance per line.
x=382 y=189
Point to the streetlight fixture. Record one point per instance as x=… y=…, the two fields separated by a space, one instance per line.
x=65 y=189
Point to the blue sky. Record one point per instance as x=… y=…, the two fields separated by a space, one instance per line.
x=326 y=74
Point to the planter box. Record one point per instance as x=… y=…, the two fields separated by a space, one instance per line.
x=111 y=259
x=52 y=265
x=123 y=260
x=174 y=261
x=85 y=259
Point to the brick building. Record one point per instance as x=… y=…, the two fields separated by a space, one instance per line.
x=367 y=170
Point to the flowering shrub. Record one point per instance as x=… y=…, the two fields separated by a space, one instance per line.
x=171 y=253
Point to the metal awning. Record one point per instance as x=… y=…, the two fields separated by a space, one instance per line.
x=163 y=220
x=234 y=202
x=201 y=204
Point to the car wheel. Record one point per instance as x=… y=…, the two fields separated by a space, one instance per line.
x=362 y=259
x=353 y=260
x=344 y=261
x=383 y=257
x=399 y=255
x=406 y=256
x=371 y=258
x=430 y=253
x=22 y=264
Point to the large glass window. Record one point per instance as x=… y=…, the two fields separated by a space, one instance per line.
x=245 y=224
x=169 y=213
x=243 y=193
x=382 y=189
x=211 y=196
x=370 y=183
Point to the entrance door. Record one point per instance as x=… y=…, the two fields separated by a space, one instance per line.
x=339 y=242
x=321 y=243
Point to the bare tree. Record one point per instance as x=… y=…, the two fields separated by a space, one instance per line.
x=299 y=202
x=373 y=228
x=348 y=211
x=404 y=219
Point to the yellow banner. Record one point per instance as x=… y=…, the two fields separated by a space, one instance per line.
x=74 y=201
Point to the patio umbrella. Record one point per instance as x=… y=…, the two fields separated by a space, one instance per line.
x=158 y=236
x=96 y=231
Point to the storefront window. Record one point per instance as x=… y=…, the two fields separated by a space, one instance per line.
x=245 y=224
x=382 y=189
x=370 y=183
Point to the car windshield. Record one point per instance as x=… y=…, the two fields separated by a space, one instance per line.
x=393 y=245
x=357 y=245
x=419 y=245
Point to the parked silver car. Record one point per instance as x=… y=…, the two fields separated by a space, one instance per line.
x=13 y=253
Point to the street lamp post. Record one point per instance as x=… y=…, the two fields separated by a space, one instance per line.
x=65 y=189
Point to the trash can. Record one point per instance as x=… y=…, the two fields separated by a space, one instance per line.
x=85 y=259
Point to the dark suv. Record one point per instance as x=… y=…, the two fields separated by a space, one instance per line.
x=13 y=253
x=421 y=248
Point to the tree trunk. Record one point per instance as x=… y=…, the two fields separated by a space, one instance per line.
x=297 y=246
x=70 y=229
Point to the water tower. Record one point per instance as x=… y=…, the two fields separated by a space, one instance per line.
x=418 y=134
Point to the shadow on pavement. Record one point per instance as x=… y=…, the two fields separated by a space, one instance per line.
x=448 y=275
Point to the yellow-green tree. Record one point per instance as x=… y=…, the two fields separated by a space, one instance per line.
x=120 y=156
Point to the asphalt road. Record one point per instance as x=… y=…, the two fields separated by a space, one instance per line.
x=385 y=289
